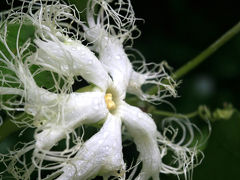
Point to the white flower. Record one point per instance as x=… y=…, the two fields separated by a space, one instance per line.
x=57 y=115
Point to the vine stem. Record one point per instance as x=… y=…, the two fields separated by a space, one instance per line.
x=171 y=114
x=190 y=65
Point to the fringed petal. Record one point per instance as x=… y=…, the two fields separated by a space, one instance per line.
x=179 y=144
x=108 y=39
x=154 y=76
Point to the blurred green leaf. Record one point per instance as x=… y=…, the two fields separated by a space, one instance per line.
x=80 y=5
x=43 y=79
x=7 y=128
x=27 y=32
x=222 y=152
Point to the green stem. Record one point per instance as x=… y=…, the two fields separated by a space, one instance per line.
x=171 y=114
x=207 y=52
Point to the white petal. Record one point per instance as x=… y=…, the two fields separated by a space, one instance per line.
x=114 y=59
x=71 y=58
x=113 y=56
x=112 y=26
x=100 y=155
x=156 y=77
x=135 y=82
x=72 y=111
x=144 y=132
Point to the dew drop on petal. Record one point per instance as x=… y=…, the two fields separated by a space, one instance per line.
x=90 y=62
x=70 y=170
x=100 y=141
x=107 y=148
x=105 y=135
x=139 y=115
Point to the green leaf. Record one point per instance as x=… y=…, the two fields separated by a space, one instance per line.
x=44 y=79
x=26 y=33
x=7 y=128
x=222 y=152
x=81 y=6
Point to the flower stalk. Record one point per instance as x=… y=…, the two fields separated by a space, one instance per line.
x=193 y=63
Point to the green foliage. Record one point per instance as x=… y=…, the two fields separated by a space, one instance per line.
x=222 y=157
x=43 y=79
x=26 y=32
x=80 y=5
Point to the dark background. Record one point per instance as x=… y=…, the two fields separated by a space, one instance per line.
x=177 y=31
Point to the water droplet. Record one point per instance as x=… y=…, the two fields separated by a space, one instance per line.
x=117 y=156
x=105 y=135
x=139 y=115
x=70 y=170
x=107 y=148
x=114 y=144
x=90 y=61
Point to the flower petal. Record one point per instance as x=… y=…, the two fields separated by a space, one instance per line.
x=178 y=141
x=71 y=58
x=100 y=155
x=108 y=38
x=71 y=111
x=156 y=77
x=144 y=132
x=116 y=62
x=114 y=59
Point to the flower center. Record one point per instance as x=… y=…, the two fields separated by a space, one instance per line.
x=109 y=101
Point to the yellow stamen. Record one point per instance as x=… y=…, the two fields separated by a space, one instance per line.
x=109 y=101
